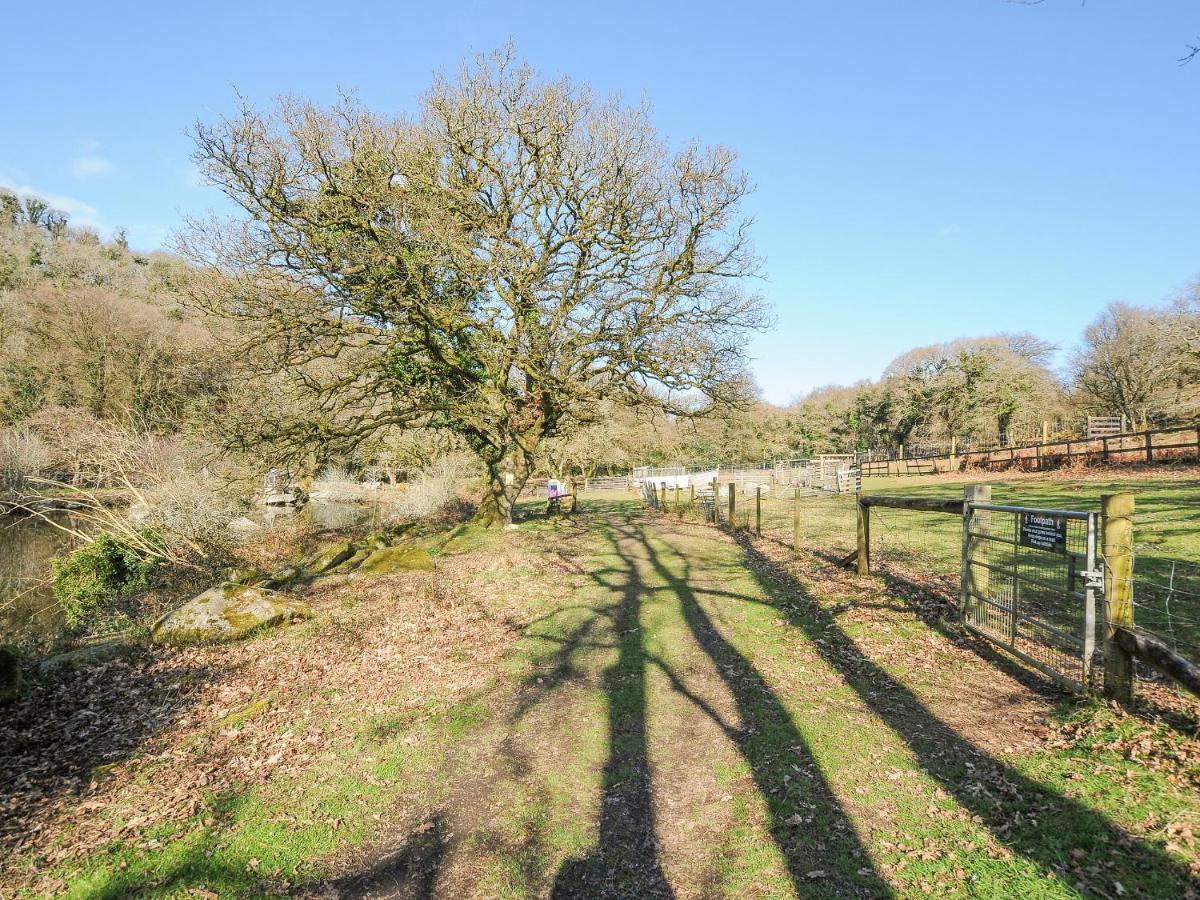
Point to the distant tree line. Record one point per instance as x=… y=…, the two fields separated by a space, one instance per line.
x=90 y=327
x=1138 y=362
x=524 y=271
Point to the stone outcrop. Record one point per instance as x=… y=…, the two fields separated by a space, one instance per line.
x=391 y=560
x=227 y=612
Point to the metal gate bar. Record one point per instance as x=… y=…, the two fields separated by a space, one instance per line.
x=1029 y=577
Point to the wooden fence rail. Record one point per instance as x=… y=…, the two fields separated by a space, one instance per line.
x=1160 y=444
x=1123 y=640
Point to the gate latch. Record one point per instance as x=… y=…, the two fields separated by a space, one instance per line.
x=1093 y=578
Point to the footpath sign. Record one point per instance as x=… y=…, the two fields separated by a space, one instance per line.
x=1043 y=531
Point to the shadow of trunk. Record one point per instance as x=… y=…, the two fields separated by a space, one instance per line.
x=1034 y=821
x=625 y=862
x=819 y=843
x=409 y=872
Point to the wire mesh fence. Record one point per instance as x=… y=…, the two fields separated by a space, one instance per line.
x=918 y=543
x=1045 y=602
x=1028 y=584
x=1166 y=584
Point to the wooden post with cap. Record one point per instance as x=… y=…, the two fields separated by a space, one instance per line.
x=1117 y=519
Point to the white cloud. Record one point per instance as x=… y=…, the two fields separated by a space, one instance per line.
x=79 y=212
x=85 y=167
x=948 y=231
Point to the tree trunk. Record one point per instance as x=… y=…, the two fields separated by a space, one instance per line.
x=500 y=493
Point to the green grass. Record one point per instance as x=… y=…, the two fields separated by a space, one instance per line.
x=673 y=715
x=1167 y=535
x=242 y=844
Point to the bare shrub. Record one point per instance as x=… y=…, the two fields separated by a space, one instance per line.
x=436 y=491
x=141 y=488
x=337 y=483
x=23 y=456
x=194 y=508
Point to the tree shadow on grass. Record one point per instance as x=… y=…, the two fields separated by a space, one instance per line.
x=409 y=871
x=940 y=612
x=208 y=861
x=625 y=862
x=818 y=841
x=191 y=863
x=1054 y=832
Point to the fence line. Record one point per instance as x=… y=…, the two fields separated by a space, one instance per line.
x=1161 y=444
x=925 y=541
x=1095 y=444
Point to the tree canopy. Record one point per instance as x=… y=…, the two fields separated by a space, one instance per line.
x=506 y=265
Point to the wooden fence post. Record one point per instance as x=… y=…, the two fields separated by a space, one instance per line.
x=716 y=514
x=758 y=510
x=732 y=491
x=864 y=537
x=970 y=578
x=1045 y=432
x=796 y=519
x=1117 y=512
x=1149 y=448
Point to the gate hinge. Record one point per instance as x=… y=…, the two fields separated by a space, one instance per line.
x=1093 y=578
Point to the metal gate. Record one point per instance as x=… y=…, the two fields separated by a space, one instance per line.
x=1029 y=583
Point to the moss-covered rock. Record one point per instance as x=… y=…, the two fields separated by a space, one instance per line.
x=227 y=612
x=10 y=674
x=84 y=657
x=396 y=559
x=380 y=540
x=280 y=577
x=350 y=564
x=329 y=558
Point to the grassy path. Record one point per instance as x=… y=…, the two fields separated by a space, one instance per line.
x=686 y=714
x=709 y=728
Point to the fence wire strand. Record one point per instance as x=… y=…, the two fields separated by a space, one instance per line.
x=818 y=509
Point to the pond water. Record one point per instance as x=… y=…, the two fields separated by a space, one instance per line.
x=27 y=543
x=27 y=605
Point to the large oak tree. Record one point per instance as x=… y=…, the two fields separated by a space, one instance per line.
x=503 y=266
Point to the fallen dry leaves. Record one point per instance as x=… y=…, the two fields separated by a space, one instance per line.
x=111 y=751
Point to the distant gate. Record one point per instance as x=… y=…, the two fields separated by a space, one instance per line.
x=1029 y=582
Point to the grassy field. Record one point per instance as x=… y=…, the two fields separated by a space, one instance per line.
x=621 y=704
x=1167 y=570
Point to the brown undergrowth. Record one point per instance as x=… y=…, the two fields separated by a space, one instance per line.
x=116 y=750
x=619 y=705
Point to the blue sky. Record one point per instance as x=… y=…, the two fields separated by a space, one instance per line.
x=925 y=169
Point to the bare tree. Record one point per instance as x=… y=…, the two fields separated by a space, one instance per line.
x=499 y=267
x=1130 y=357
